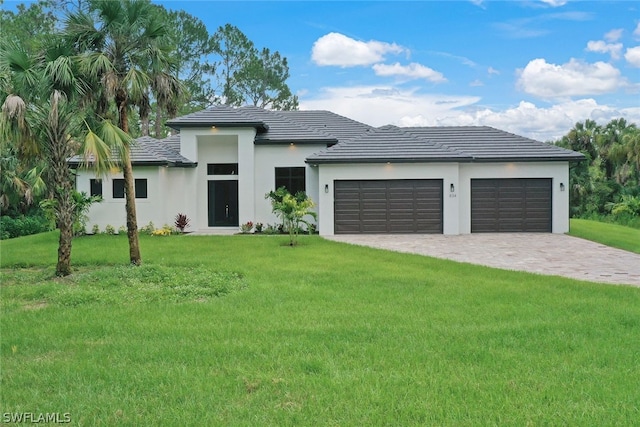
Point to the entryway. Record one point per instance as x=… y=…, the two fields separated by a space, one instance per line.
x=223 y=203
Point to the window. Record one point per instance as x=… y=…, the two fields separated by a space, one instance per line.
x=293 y=179
x=118 y=188
x=95 y=187
x=140 y=188
x=222 y=169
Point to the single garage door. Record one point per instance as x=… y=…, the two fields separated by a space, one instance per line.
x=388 y=206
x=511 y=205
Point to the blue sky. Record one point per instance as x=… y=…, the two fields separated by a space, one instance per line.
x=529 y=67
x=533 y=67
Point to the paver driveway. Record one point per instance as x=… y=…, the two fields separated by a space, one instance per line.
x=554 y=254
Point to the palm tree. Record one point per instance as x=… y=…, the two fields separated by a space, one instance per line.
x=122 y=46
x=40 y=116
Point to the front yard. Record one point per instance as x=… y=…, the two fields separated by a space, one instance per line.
x=245 y=330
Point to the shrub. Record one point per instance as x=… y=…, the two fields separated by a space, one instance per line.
x=246 y=228
x=292 y=210
x=23 y=226
x=259 y=227
x=164 y=231
x=95 y=229
x=122 y=230
x=148 y=229
x=110 y=229
x=182 y=222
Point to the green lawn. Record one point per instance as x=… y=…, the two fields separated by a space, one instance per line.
x=321 y=334
x=614 y=235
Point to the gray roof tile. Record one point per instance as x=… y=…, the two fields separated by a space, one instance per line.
x=485 y=143
x=384 y=144
x=221 y=116
x=150 y=151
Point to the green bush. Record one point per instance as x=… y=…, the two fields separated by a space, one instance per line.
x=23 y=226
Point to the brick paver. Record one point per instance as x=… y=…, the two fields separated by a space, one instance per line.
x=553 y=254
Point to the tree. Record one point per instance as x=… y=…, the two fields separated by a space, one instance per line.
x=262 y=79
x=234 y=50
x=611 y=173
x=248 y=75
x=122 y=44
x=40 y=115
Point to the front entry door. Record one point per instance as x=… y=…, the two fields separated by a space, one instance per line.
x=223 y=203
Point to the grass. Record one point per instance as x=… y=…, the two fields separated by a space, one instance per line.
x=614 y=235
x=320 y=334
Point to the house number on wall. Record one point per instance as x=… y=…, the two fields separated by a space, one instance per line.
x=452 y=195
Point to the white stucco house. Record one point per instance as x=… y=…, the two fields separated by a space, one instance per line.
x=450 y=180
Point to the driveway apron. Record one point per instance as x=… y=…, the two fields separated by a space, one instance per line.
x=552 y=254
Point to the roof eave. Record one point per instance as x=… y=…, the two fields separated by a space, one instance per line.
x=389 y=160
x=266 y=141
x=259 y=126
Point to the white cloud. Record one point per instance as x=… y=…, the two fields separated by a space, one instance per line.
x=476 y=83
x=411 y=71
x=381 y=105
x=554 y=3
x=342 y=51
x=575 y=78
x=614 y=49
x=636 y=32
x=493 y=71
x=632 y=56
x=384 y=104
x=614 y=35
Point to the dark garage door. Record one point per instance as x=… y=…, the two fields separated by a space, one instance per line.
x=511 y=205
x=388 y=206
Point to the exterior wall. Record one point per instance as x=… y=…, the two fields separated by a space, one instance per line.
x=448 y=172
x=165 y=197
x=269 y=157
x=220 y=145
x=558 y=171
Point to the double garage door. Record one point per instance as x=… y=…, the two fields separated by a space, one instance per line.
x=415 y=206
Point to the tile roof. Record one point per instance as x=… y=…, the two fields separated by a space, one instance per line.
x=384 y=144
x=282 y=129
x=459 y=143
x=484 y=143
x=350 y=141
x=220 y=116
x=340 y=127
x=148 y=151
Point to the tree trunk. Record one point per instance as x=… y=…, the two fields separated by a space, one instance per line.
x=130 y=197
x=65 y=225
x=158 y=124
x=130 y=206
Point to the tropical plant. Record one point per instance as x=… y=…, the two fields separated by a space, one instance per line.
x=292 y=210
x=42 y=119
x=123 y=50
x=181 y=222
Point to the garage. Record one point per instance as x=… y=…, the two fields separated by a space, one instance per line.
x=511 y=205
x=388 y=206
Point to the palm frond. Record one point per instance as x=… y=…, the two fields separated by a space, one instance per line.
x=96 y=153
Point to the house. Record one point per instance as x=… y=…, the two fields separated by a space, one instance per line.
x=451 y=180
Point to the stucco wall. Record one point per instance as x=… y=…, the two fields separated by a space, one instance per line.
x=165 y=197
x=456 y=204
x=269 y=157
